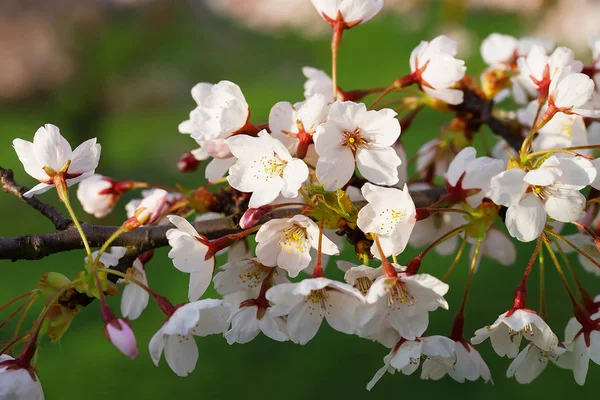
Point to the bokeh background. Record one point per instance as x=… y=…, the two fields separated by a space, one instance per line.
x=121 y=70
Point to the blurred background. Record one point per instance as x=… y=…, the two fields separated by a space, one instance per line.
x=122 y=70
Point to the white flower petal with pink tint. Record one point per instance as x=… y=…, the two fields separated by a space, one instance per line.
x=498 y=49
x=317 y=82
x=353 y=12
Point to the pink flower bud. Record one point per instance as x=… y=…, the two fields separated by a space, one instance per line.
x=253 y=215
x=187 y=163
x=151 y=207
x=119 y=334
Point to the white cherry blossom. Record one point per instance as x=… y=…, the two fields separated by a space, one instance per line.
x=50 y=154
x=352 y=12
x=404 y=302
x=352 y=135
x=188 y=252
x=221 y=161
x=97 y=195
x=176 y=336
x=583 y=344
x=572 y=95
x=507 y=331
x=287 y=242
x=134 y=299
x=18 y=383
x=469 y=173
x=317 y=82
x=264 y=167
x=531 y=362
x=464 y=364
x=306 y=304
x=222 y=110
x=391 y=214
x=406 y=355
x=436 y=70
x=550 y=190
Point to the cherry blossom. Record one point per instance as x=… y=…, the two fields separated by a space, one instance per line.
x=506 y=332
x=50 y=155
x=572 y=95
x=352 y=12
x=406 y=355
x=391 y=214
x=404 y=302
x=188 y=252
x=134 y=298
x=584 y=345
x=287 y=243
x=222 y=110
x=435 y=69
x=306 y=304
x=221 y=161
x=317 y=82
x=264 y=167
x=98 y=195
x=119 y=334
x=176 y=336
x=464 y=364
x=550 y=190
x=18 y=383
x=354 y=135
x=531 y=362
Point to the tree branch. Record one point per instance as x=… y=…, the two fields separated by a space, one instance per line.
x=8 y=184
x=35 y=247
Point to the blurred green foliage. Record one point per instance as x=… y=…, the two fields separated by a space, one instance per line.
x=143 y=143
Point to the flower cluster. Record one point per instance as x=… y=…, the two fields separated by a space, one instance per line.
x=330 y=171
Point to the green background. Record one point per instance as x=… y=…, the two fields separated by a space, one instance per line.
x=142 y=143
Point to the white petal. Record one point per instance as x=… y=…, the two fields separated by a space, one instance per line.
x=525 y=221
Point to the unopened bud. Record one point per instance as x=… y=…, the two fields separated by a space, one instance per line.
x=148 y=211
x=253 y=215
x=188 y=163
x=51 y=282
x=119 y=334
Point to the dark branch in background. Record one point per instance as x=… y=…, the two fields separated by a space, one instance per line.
x=9 y=185
x=480 y=111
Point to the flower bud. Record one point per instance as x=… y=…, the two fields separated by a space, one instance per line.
x=253 y=215
x=148 y=211
x=187 y=163
x=119 y=334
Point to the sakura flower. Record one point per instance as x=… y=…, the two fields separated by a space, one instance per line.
x=352 y=12
x=189 y=250
x=222 y=110
x=506 y=332
x=119 y=334
x=98 y=194
x=433 y=158
x=295 y=124
x=251 y=316
x=572 y=95
x=200 y=318
x=306 y=304
x=265 y=168
x=584 y=345
x=469 y=177
x=498 y=50
x=50 y=155
x=404 y=302
x=134 y=299
x=531 y=362
x=551 y=189
x=17 y=383
x=406 y=355
x=354 y=135
x=360 y=277
x=586 y=243
x=391 y=214
x=287 y=242
x=465 y=363
x=246 y=275
x=317 y=82
x=435 y=69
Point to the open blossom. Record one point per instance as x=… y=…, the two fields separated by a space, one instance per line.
x=18 y=383
x=391 y=214
x=51 y=154
x=188 y=252
x=306 y=304
x=352 y=12
x=354 y=135
x=176 y=336
x=246 y=275
x=264 y=167
x=532 y=361
x=471 y=176
x=583 y=344
x=317 y=82
x=572 y=95
x=295 y=124
x=465 y=363
x=406 y=355
x=222 y=110
x=436 y=70
x=501 y=51
x=287 y=242
x=550 y=190
x=508 y=330
x=404 y=302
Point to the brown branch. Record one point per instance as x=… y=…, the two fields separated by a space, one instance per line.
x=35 y=247
x=8 y=184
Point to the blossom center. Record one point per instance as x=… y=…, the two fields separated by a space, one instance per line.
x=389 y=219
x=363 y=284
x=254 y=276
x=354 y=140
x=398 y=296
x=270 y=166
x=294 y=239
x=317 y=301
